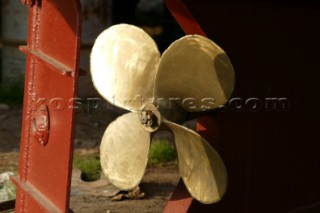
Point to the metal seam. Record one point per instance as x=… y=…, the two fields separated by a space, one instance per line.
x=31 y=87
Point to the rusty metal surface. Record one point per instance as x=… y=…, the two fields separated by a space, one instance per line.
x=51 y=83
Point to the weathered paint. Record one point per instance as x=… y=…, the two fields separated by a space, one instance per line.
x=51 y=72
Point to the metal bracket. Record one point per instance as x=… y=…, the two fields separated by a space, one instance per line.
x=40 y=125
x=54 y=64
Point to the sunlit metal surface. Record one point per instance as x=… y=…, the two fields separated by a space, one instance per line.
x=197 y=71
x=124 y=62
x=194 y=71
x=200 y=166
x=124 y=151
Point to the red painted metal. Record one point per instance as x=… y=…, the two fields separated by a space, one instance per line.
x=183 y=16
x=180 y=200
x=48 y=113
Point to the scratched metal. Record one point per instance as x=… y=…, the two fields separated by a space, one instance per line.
x=200 y=166
x=197 y=71
x=124 y=62
x=124 y=151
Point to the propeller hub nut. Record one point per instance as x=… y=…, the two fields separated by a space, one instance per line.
x=150 y=117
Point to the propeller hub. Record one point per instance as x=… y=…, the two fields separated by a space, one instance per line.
x=150 y=117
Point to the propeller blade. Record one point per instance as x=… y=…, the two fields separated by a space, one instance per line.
x=200 y=166
x=124 y=151
x=124 y=62
x=197 y=71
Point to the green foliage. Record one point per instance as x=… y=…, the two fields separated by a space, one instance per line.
x=89 y=166
x=7 y=190
x=161 y=151
x=11 y=94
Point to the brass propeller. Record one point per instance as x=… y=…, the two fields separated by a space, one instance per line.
x=194 y=74
x=195 y=69
x=124 y=151
x=124 y=62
